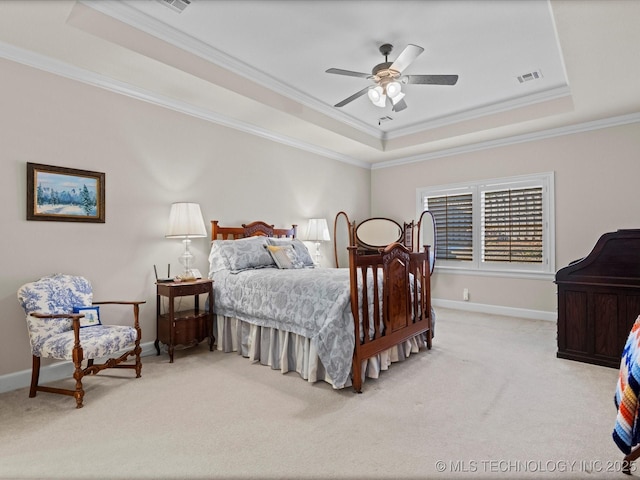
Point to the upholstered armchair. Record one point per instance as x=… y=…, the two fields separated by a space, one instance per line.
x=64 y=323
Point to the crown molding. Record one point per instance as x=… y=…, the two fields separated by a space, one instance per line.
x=125 y=13
x=491 y=109
x=134 y=18
x=527 y=137
x=50 y=65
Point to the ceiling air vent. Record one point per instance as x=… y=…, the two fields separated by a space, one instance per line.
x=176 y=5
x=527 y=77
x=381 y=120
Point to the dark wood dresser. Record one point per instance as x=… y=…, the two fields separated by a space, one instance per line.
x=599 y=300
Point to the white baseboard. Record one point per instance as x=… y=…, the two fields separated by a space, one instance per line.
x=53 y=372
x=496 y=310
x=60 y=370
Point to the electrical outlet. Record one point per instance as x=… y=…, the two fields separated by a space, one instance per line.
x=465 y=294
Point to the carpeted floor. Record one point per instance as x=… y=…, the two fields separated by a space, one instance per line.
x=490 y=400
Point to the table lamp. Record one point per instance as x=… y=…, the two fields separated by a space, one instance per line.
x=317 y=231
x=185 y=221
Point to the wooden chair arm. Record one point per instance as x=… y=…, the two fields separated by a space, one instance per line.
x=136 y=310
x=118 y=302
x=74 y=316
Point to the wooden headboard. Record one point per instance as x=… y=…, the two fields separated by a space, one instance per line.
x=250 y=230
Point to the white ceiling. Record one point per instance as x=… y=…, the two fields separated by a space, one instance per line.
x=289 y=45
x=260 y=65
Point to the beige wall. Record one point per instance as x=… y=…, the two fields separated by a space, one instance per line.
x=596 y=191
x=152 y=157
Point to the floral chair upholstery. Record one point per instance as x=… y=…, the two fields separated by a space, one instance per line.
x=55 y=331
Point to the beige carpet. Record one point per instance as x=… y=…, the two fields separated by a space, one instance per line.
x=490 y=400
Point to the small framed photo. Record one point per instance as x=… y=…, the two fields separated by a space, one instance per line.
x=91 y=316
x=64 y=194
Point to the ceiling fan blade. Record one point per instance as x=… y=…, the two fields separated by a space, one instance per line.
x=399 y=106
x=349 y=73
x=408 y=55
x=431 y=79
x=352 y=97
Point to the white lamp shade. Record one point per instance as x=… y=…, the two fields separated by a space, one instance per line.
x=377 y=97
x=393 y=89
x=318 y=230
x=399 y=96
x=185 y=221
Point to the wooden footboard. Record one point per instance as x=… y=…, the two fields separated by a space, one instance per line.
x=404 y=309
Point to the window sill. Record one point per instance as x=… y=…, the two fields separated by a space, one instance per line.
x=496 y=273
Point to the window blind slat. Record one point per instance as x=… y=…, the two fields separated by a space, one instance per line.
x=454 y=221
x=512 y=228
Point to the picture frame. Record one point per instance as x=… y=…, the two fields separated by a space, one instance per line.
x=63 y=194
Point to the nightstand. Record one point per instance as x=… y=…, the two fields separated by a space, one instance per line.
x=187 y=327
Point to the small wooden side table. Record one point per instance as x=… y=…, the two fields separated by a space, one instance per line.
x=185 y=327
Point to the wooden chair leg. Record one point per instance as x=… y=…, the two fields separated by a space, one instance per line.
x=138 y=350
x=35 y=375
x=78 y=373
x=79 y=391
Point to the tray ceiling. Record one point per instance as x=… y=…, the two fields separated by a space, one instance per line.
x=263 y=63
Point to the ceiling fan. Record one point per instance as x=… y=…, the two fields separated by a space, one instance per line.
x=388 y=78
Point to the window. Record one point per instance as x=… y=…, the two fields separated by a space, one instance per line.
x=454 y=220
x=503 y=225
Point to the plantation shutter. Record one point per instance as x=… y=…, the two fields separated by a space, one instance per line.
x=512 y=228
x=454 y=225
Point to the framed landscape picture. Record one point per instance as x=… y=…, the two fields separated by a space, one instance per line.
x=64 y=194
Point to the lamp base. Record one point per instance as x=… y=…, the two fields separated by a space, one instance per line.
x=316 y=261
x=187 y=277
x=186 y=259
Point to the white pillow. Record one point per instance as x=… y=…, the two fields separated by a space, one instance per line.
x=246 y=253
x=217 y=260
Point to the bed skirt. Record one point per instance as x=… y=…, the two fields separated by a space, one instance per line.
x=288 y=352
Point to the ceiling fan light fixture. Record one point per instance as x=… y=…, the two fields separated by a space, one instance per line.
x=395 y=99
x=377 y=97
x=394 y=89
x=388 y=78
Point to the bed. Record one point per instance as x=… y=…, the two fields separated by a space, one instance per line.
x=339 y=325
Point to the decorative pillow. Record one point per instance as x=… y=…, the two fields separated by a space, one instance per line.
x=284 y=256
x=246 y=253
x=217 y=260
x=91 y=316
x=300 y=248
